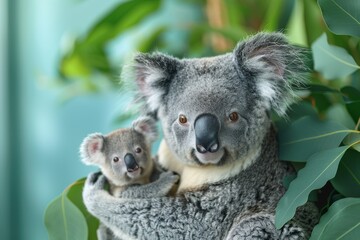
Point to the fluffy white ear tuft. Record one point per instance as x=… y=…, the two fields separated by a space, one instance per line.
x=146 y=79
x=153 y=74
x=147 y=127
x=91 y=149
x=276 y=66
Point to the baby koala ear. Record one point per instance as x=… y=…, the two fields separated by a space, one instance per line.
x=147 y=127
x=91 y=149
x=275 y=66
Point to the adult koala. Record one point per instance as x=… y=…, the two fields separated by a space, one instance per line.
x=218 y=136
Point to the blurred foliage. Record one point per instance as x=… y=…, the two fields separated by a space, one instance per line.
x=321 y=135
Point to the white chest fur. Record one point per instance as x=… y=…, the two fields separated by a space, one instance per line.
x=193 y=177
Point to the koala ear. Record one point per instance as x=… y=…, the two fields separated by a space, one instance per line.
x=91 y=149
x=147 y=127
x=153 y=73
x=275 y=66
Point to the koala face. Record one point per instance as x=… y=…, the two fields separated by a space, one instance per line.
x=127 y=156
x=124 y=156
x=214 y=111
x=209 y=120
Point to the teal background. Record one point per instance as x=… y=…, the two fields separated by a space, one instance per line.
x=39 y=134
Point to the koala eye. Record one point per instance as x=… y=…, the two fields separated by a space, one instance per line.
x=182 y=119
x=234 y=116
x=138 y=150
x=116 y=159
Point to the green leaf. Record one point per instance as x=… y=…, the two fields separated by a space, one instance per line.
x=88 y=55
x=316 y=88
x=332 y=61
x=342 y=221
x=273 y=15
x=312 y=20
x=74 y=194
x=320 y=168
x=307 y=136
x=342 y=16
x=351 y=138
x=300 y=110
x=347 y=179
x=151 y=42
x=64 y=221
x=296 y=26
x=351 y=93
x=337 y=112
x=121 y=18
x=354 y=110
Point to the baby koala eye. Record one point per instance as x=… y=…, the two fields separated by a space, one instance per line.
x=138 y=150
x=116 y=159
x=234 y=116
x=182 y=119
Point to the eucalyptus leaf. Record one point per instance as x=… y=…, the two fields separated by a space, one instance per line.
x=296 y=26
x=273 y=15
x=320 y=168
x=316 y=88
x=337 y=112
x=64 y=221
x=321 y=101
x=307 y=136
x=124 y=16
x=342 y=17
x=88 y=55
x=351 y=93
x=354 y=110
x=300 y=110
x=152 y=41
x=347 y=179
x=332 y=61
x=74 y=194
x=355 y=77
x=342 y=221
x=351 y=138
x=312 y=16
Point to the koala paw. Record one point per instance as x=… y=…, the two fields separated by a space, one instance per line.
x=168 y=180
x=93 y=190
x=260 y=227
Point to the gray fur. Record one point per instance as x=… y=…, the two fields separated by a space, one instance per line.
x=256 y=77
x=100 y=150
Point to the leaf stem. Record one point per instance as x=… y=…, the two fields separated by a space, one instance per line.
x=339 y=59
x=357 y=125
x=354 y=143
x=348 y=231
x=320 y=136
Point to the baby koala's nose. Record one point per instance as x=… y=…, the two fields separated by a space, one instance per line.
x=130 y=162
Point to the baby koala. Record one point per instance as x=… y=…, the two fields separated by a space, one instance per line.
x=124 y=157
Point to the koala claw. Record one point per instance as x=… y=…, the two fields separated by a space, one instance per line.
x=96 y=180
x=257 y=227
x=93 y=188
x=291 y=232
x=93 y=177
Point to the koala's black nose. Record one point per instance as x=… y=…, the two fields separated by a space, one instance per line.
x=130 y=162
x=206 y=132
